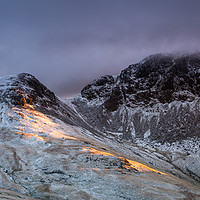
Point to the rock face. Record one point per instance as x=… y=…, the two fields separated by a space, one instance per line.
x=156 y=99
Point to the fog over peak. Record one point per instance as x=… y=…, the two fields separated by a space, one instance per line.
x=66 y=44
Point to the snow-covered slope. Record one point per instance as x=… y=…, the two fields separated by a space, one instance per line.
x=42 y=157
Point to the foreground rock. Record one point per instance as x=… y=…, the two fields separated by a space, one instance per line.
x=44 y=158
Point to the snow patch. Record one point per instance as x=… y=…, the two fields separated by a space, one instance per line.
x=147 y=134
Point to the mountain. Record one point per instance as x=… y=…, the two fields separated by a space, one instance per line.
x=154 y=103
x=24 y=90
x=157 y=99
x=109 y=142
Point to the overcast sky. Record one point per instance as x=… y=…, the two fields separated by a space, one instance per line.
x=68 y=43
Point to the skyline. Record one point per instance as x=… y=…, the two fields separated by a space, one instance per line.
x=66 y=44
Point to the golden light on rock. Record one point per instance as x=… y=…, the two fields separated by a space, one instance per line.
x=126 y=163
x=33 y=123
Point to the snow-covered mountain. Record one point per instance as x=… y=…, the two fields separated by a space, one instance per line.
x=155 y=103
x=132 y=136
x=156 y=99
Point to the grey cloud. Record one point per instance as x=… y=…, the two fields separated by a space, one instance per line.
x=68 y=43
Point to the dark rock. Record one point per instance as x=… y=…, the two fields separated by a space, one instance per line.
x=98 y=88
x=115 y=99
x=158 y=79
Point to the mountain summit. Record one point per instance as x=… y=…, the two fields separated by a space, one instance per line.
x=24 y=90
x=157 y=78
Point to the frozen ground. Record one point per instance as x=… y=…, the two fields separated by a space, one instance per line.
x=43 y=158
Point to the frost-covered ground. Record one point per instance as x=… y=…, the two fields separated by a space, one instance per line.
x=51 y=150
x=44 y=158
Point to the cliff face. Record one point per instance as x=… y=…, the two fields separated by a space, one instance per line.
x=156 y=99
